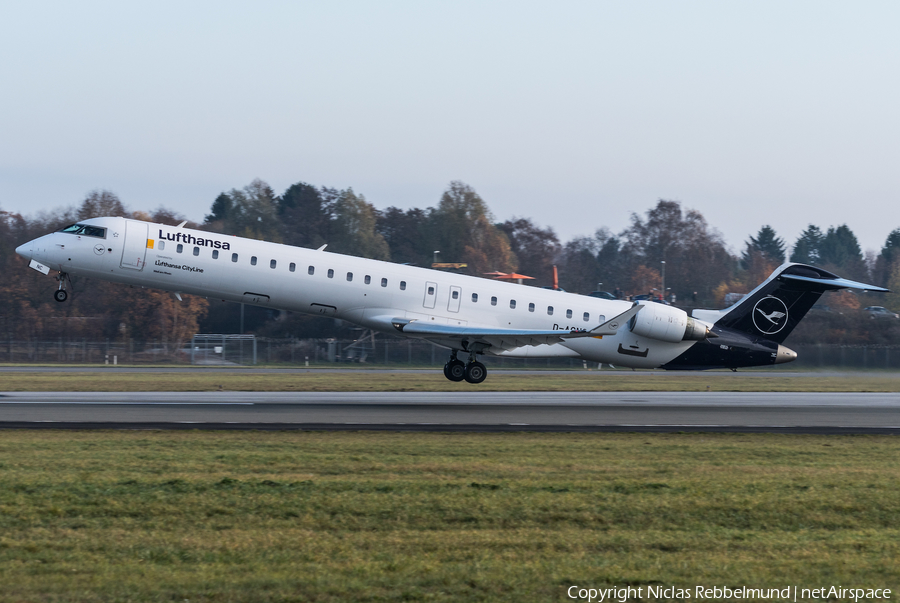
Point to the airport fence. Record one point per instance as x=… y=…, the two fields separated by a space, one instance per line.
x=382 y=350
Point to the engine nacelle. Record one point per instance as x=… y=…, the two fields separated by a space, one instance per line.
x=666 y=323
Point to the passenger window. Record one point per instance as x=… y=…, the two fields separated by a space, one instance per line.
x=349 y=276
x=292 y=266
x=455 y=295
x=233 y=257
x=403 y=285
x=196 y=251
x=474 y=298
x=272 y=263
x=549 y=310
x=253 y=260
x=512 y=304
x=215 y=254
x=180 y=248
x=161 y=246
x=493 y=301
x=330 y=273
x=568 y=314
x=312 y=270
x=430 y=290
x=531 y=307
x=368 y=279
x=587 y=316
x=384 y=282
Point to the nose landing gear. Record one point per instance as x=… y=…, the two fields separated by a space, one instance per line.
x=456 y=370
x=60 y=294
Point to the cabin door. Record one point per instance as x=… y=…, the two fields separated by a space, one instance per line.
x=134 y=247
x=430 y=295
x=455 y=298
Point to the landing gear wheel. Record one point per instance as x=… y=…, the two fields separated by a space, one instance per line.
x=455 y=370
x=475 y=372
x=60 y=295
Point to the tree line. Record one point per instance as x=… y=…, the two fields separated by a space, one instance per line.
x=667 y=242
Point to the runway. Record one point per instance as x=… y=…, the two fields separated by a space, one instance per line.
x=793 y=412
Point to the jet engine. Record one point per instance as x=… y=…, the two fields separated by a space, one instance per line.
x=666 y=323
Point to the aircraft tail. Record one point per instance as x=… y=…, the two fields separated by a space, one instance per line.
x=775 y=307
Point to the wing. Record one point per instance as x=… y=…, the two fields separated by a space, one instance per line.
x=507 y=339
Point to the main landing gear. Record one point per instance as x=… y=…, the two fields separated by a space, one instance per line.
x=60 y=294
x=457 y=370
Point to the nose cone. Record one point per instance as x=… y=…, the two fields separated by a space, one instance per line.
x=24 y=250
x=785 y=355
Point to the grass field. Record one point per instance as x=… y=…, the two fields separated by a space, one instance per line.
x=305 y=516
x=433 y=381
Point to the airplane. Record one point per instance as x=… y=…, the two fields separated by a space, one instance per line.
x=468 y=315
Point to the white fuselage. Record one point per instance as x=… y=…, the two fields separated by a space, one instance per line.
x=368 y=292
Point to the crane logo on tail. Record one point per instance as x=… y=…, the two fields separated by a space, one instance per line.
x=770 y=314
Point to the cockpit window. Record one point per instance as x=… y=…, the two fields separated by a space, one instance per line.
x=85 y=230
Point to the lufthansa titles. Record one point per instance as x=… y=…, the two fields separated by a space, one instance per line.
x=179 y=266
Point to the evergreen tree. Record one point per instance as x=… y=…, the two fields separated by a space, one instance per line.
x=840 y=252
x=891 y=250
x=887 y=259
x=840 y=247
x=807 y=248
x=220 y=210
x=305 y=215
x=767 y=244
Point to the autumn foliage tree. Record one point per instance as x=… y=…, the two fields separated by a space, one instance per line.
x=695 y=255
x=461 y=228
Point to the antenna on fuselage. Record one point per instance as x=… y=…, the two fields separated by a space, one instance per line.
x=182 y=224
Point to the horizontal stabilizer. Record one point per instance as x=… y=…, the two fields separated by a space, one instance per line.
x=831 y=284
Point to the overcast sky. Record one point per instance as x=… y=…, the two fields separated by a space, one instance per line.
x=572 y=113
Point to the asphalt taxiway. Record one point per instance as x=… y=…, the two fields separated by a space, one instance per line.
x=455 y=411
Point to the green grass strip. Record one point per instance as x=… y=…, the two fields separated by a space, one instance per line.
x=306 y=516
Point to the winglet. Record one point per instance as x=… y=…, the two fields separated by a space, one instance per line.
x=615 y=323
